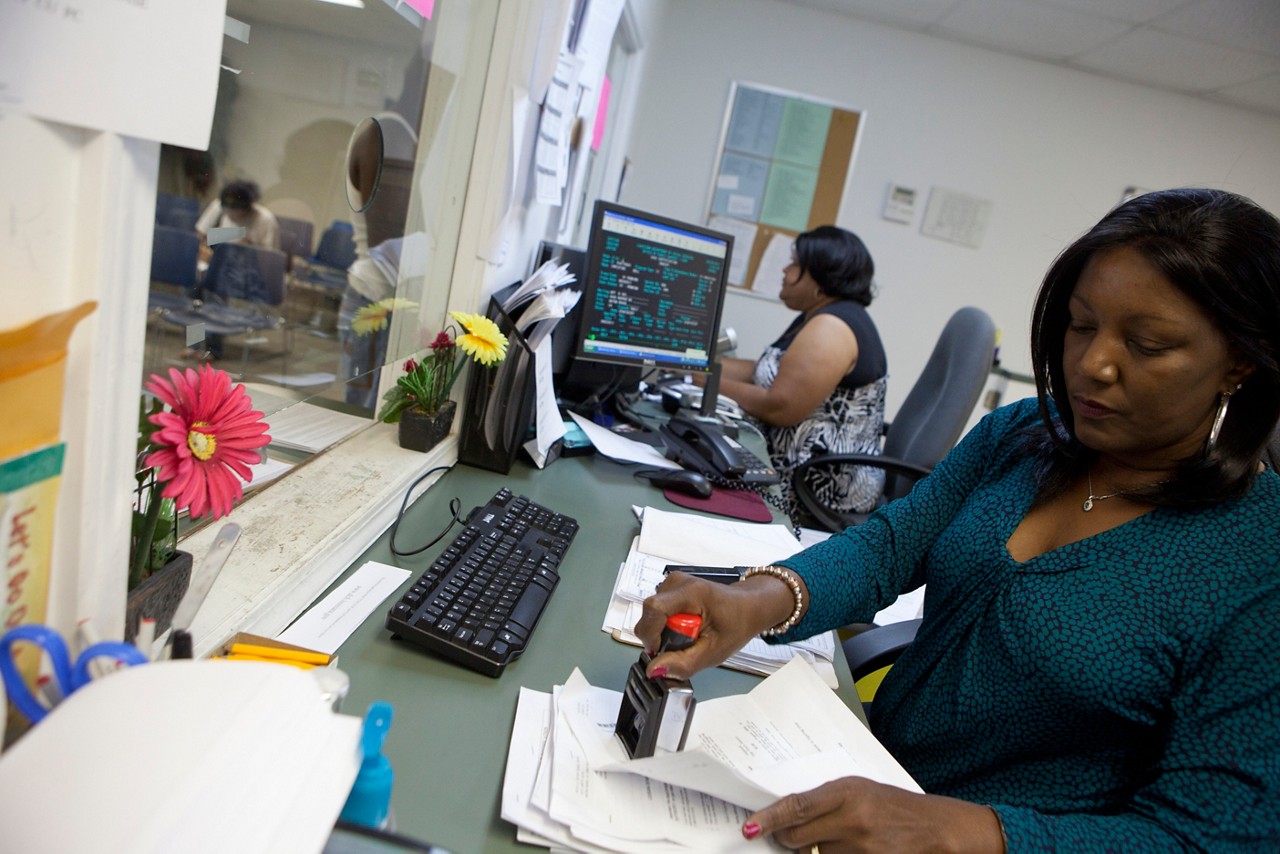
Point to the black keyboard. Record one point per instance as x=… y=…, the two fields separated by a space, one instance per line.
x=480 y=600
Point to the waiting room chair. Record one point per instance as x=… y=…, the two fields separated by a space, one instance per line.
x=334 y=254
x=240 y=290
x=177 y=211
x=296 y=238
x=175 y=254
x=926 y=427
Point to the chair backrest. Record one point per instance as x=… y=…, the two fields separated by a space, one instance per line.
x=296 y=236
x=244 y=272
x=938 y=407
x=337 y=246
x=170 y=206
x=174 y=253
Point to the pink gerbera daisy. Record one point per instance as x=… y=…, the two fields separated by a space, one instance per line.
x=207 y=440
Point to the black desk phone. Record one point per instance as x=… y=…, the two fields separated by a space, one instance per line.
x=704 y=447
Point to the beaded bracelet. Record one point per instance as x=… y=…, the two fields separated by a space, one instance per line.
x=787 y=577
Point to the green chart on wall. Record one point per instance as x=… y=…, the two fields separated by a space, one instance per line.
x=781 y=169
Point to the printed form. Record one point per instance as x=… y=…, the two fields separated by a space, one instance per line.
x=569 y=781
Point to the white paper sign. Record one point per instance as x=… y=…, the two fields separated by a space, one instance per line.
x=142 y=68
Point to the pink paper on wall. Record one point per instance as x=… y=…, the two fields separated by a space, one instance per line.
x=422 y=7
x=602 y=111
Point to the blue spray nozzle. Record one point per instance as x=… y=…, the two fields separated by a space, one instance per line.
x=370 y=800
x=377 y=721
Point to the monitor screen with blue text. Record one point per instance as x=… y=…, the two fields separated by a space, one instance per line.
x=654 y=290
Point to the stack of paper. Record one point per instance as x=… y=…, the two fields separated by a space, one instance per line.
x=188 y=756
x=569 y=782
x=543 y=299
x=310 y=428
x=689 y=539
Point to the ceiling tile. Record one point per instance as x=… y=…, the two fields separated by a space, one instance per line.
x=913 y=15
x=1168 y=60
x=1261 y=94
x=1133 y=11
x=1248 y=24
x=1021 y=27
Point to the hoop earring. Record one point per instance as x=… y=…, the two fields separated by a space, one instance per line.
x=1224 y=400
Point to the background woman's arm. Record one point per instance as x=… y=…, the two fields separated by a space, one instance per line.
x=821 y=354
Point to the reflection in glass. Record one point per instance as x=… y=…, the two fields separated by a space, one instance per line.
x=364 y=164
x=325 y=117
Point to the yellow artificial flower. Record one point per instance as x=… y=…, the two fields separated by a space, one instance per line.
x=376 y=315
x=483 y=342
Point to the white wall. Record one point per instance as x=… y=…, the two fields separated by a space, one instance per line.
x=73 y=203
x=1052 y=148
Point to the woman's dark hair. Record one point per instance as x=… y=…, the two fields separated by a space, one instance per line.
x=239 y=195
x=838 y=261
x=1223 y=252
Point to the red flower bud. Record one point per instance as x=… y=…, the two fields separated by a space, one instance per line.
x=410 y=366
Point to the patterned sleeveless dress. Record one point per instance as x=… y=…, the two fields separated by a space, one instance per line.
x=850 y=421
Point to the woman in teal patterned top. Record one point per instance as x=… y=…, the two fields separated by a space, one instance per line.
x=1096 y=668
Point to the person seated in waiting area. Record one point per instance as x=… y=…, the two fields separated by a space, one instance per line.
x=819 y=389
x=236 y=207
x=1096 y=667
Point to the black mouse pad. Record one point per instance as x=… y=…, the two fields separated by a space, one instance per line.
x=734 y=503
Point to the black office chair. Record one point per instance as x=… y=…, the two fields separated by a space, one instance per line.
x=872 y=652
x=927 y=425
x=239 y=293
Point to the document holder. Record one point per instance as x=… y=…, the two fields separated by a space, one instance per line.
x=500 y=402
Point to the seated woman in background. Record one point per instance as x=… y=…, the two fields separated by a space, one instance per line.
x=819 y=389
x=1096 y=667
x=237 y=207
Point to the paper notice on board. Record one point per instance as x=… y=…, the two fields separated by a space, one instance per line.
x=108 y=64
x=777 y=255
x=744 y=240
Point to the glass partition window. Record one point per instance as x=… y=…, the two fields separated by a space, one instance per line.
x=333 y=184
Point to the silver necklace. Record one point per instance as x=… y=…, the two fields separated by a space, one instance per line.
x=1088 y=502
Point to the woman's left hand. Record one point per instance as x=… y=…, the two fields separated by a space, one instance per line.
x=854 y=814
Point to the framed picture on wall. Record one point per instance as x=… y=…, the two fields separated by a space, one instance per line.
x=781 y=168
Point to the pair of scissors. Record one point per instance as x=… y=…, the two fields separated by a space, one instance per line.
x=68 y=675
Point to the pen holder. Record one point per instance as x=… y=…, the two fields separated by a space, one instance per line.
x=499 y=402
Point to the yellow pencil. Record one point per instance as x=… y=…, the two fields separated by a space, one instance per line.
x=301 y=665
x=279 y=654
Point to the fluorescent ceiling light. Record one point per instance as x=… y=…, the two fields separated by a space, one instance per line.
x=355 y=4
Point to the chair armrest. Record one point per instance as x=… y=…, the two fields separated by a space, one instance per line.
x=890 y=464
x=878 y=647
x=832 y=520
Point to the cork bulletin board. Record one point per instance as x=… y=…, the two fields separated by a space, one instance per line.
x=781 y=169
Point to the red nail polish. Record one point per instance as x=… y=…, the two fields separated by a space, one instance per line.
x=751 y=830
x=658 y=672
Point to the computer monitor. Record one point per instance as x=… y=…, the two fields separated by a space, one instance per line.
x=653 y=292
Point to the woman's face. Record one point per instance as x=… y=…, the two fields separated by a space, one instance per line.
x=1143 y=364
x=799 y=291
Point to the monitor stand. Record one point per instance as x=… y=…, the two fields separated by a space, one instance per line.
x=710 y=394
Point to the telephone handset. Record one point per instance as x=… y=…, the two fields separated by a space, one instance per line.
x=705 y=448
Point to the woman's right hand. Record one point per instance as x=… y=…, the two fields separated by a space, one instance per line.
x=732 y=614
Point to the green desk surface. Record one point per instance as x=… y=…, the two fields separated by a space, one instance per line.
x=451 y=726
